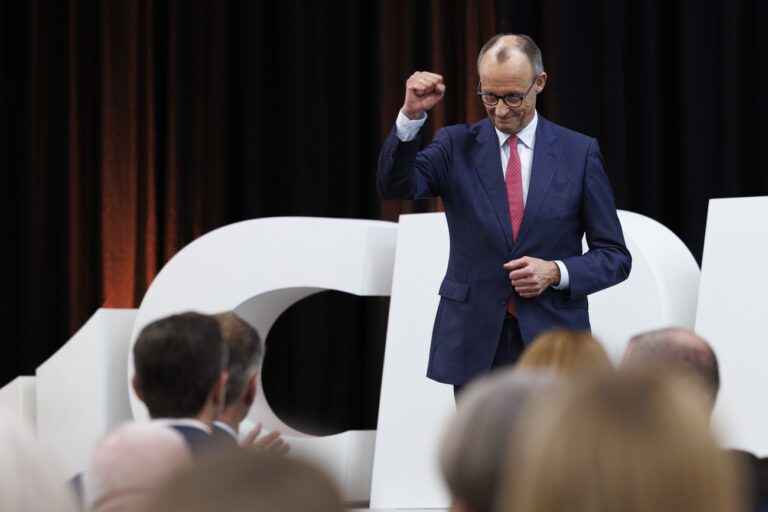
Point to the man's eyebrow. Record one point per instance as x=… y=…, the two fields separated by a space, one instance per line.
x=514 y=93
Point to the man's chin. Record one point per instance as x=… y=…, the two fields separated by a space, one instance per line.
x=510 y=126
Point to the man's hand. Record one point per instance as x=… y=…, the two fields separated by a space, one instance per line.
x=270 y=443
x=531 y=276
x=422 y=92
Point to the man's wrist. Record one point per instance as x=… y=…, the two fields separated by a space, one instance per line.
x=555 y=274
x=412 y=115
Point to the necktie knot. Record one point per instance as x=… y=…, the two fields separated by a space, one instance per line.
x=512 y=142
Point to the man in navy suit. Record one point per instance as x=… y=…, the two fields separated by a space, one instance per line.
x=181 y=376
x=519 y=193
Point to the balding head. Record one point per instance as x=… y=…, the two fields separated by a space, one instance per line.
x=678 y=350
x=501 y=48
x=128 y=466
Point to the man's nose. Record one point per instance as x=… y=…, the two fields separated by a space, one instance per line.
x=501 y=108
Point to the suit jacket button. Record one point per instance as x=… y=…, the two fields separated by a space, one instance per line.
x=503 y=301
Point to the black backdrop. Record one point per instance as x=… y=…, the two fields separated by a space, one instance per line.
x=130 y=128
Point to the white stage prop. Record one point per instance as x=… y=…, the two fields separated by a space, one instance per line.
x=81 y=391
x=732 y=315
x=259 y=268
x=661 y=290
x=20 y=396
x=413 y=410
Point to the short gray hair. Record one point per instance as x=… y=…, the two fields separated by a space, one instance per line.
x=474 y=448
x=520 y=42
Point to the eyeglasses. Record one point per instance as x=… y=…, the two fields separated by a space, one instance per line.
x=510 y=100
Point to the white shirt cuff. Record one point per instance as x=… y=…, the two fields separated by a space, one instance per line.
x=565 y=282
x=406 y=129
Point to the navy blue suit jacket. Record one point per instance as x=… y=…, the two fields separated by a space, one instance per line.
x=569 y=195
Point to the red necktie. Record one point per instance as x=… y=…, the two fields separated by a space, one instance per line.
x=514 y=180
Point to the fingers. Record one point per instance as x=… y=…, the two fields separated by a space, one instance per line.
x=252 y=435
x=423 y=83
x=518 y=263
x=269 y=443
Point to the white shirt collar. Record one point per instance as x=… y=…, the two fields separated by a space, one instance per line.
x=183 y=422
x=527 y=135
x=226 y=428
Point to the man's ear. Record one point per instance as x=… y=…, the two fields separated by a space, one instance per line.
x=219 y=391
x=250 y=393
x=136 y=388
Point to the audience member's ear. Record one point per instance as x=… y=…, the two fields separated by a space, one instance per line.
x=219 y=391
x=136 y=388
x=250 y=392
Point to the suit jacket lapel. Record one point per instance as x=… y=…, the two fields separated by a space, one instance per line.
x=487 y=160
x=545 y=160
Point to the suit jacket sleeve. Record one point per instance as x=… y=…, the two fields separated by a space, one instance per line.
x=404 y=172
x=607 y=262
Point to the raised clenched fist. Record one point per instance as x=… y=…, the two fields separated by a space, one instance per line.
x=422 y=92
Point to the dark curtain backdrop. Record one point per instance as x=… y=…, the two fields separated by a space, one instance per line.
x=131 y=128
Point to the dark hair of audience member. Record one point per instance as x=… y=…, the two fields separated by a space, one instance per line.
x=630 y=442
x=178 y=359
x=241 y=481
x=245 y=354
x=573 y=353
x=489 y=411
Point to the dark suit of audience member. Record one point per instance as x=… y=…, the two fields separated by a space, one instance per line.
x=683 y=351
x=180 y=375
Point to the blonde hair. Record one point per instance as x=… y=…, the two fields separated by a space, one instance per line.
x=636 y=442
x=574 y=353
x=240 y=481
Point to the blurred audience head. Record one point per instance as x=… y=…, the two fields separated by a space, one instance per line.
x=677 y=350
x=575 y=354
x=629 y=442
x=243 y=366
x=473 y=449
x=130 y=464
x=241 y=481
x=180 y=366
x=29 y=479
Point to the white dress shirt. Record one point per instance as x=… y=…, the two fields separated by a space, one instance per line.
x=407 y=129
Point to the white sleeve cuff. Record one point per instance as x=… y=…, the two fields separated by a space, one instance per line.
x=565 y=282
x=407 y=129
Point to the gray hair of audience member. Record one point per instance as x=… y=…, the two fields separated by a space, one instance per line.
x=29 y=478
x=241 y=481
x=488 y=413
x=245 y=354
x=129 y=465
x=634 y=442
x=678 y=350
